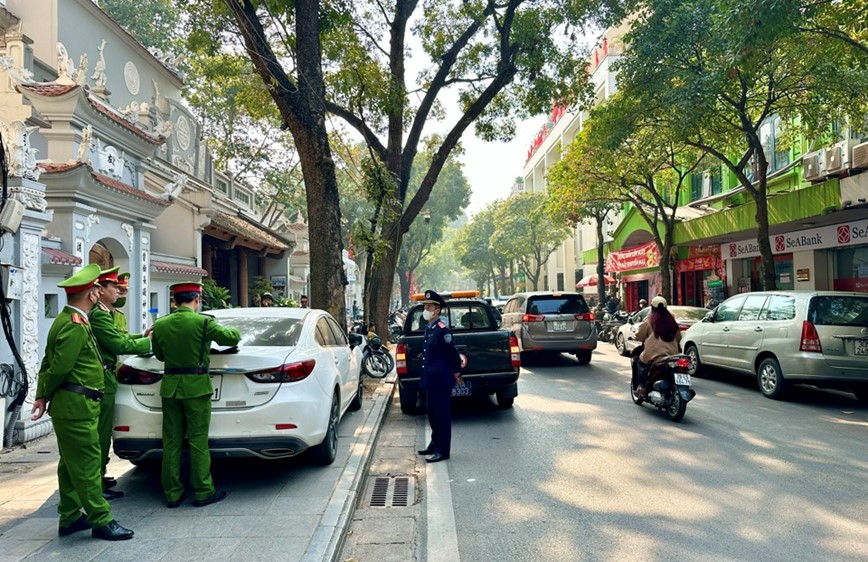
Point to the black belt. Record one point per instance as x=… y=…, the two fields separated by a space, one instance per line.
x=78 y=389
x=186 y=371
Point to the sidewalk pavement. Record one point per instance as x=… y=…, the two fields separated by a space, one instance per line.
x=276 y=510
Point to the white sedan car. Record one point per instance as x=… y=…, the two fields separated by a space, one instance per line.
x=282 y=391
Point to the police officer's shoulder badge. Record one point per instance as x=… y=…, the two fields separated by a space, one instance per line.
x=102 y=306
x=78 y=318
x=441 y=324
x=447 y=337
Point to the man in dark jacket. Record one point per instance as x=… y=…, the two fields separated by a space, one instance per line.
x=441 y=371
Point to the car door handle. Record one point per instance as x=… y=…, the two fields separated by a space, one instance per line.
x=726 y=329
x=758 y=329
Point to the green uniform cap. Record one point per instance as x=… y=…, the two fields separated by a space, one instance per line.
x=81 y=281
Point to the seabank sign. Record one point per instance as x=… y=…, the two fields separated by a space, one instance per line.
x=845 y=234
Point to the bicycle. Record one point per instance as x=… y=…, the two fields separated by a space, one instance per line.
x=377 y=362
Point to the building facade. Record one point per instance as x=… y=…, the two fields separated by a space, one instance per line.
x=111 y=168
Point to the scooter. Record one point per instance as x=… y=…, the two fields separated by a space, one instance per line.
x=668 y=384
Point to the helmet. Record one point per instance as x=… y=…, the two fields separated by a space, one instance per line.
x=658 y=302
x=267 y=295
x=643 y=303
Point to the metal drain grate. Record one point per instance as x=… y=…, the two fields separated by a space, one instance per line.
x=390 y=491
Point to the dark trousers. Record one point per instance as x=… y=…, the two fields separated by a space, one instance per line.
x=642 y=370
x=439 y=401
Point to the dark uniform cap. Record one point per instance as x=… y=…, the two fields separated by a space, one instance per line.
x=431 y=297
x=109 y=275
x=81 y=281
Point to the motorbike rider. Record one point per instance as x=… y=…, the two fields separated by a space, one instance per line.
x=661 y=336
x=642 y=304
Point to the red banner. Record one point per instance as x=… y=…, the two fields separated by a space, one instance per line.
x=639 y=257
x=698 y=263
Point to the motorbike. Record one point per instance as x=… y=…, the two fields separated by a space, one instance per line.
x=668 y=384
x=377 y=362
x=608 y=328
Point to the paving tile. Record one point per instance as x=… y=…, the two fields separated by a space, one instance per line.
x=297 y=525
x=308 y=489
x=222 y=526
x=237 y=505
x=79 y=547
x=139 y=549
x=24 y=508
x=373 y=531
x=274 y=548
x=164 y=527
x=297 y=505
x=379 y=552
x=210 y=549
x=12 y=549
x=39 y=528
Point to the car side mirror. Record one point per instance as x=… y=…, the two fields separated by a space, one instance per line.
x=355 y=339
x=709 y=316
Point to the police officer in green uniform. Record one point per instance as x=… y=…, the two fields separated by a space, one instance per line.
x=183 y=340
x=118 y=314
x=112 y=342
x=71 y=383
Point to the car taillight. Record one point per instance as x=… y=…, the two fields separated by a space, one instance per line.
x=131 y=375
x=585 y=316
x=810 y=338
x=401 y=359
x=683 y=327
x=514 y=353
x=289 y=372
x=682 y=363
x=533 y=318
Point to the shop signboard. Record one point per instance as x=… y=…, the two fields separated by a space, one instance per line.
x=639 y=257
x=833 y=236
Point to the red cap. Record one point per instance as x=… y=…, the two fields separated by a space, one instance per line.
x=186 y=288
x=109 y=275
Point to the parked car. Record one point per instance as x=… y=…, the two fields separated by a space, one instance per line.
x=686 y=316
x=280 y=392
x=552 y=322
x=811 y=337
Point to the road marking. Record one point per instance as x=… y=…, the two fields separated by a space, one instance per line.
x=442 y=536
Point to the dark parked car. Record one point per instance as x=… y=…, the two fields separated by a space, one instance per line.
x=552 y=322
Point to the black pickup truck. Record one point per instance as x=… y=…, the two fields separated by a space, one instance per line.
x=489 y=355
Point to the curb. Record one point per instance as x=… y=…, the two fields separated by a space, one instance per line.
x=328 y=538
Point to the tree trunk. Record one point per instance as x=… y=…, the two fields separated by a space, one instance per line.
x=379 y=294
x=665 y=248
x=601 y=262
x=768 y=279
x=404 y=280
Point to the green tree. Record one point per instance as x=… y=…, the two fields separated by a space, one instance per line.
x=441 y=268
x=475 y=249
x=525 y=233
x=714 y=72
x=156 y=24
x=503 y=59
x=450 y=196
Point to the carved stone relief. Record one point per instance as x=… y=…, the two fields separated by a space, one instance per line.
x=32 y=198
x=89 y=222
x=143 y=283
x=20 y=156
x=182 y=133
x=128 y=228
x=98 y=76
x=30 y=307
x=131 y=78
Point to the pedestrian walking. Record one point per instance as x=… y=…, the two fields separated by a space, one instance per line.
x=182 y=340
x=111 y=343
x=441 y=371
x=303 y=302
x=70 y=385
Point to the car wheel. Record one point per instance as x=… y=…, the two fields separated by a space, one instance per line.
x=770 y=379
x=584 y=356
x=505 y=401
x=325 y=452
x=695 y=364
x=356 y=403
x=408 y=400
x=621 y=345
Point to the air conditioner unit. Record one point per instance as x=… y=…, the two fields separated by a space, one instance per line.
x=860 y=156
x=814 y=166
x=706 y=183
x=838 y=157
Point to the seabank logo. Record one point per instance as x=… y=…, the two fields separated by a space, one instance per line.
x=844 y=234
x=780 y=244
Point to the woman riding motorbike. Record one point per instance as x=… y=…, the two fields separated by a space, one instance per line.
x=662 y=337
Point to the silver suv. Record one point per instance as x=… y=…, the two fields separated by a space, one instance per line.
x=811 y=337
x=552 y=322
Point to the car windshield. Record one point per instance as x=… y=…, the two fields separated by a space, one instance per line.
x=835 y=310
x=568 y=304
x=267 y=332
x=695 y=314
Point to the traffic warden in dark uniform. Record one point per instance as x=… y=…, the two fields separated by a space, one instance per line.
x=441 y=371
x=183 y=340
x=71 y=382
x=112 y=342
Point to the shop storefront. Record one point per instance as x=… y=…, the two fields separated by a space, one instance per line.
x=701 y=276
x=833 y=257
x=639 y=273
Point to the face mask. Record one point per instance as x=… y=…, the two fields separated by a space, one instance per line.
x=428 y=315
x=120 y=302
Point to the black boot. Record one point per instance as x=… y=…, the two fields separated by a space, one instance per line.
x=112 y=532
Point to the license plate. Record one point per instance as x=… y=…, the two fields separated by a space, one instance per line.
x=861 y=347
x=682 y=379
x=559 y=326
x=462 y=389
x=216 y=382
